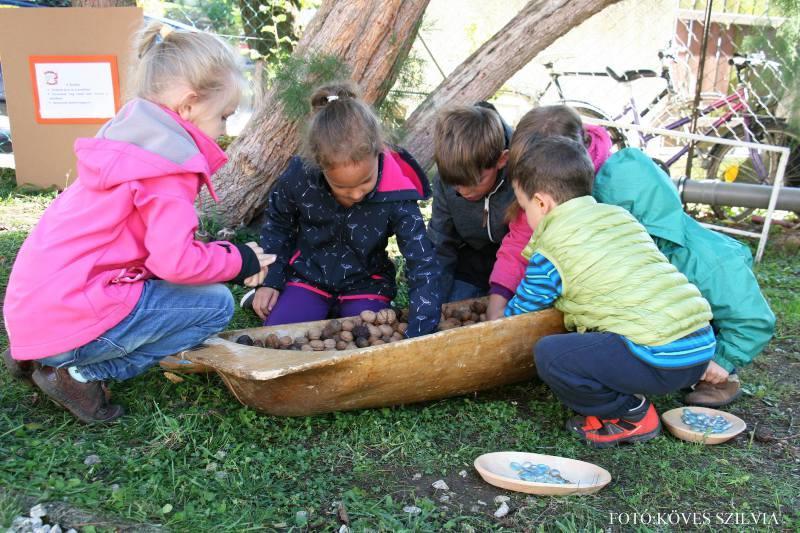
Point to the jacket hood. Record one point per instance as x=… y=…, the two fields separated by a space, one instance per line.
x=634 y=182
x=144 y=141
x=400 y=178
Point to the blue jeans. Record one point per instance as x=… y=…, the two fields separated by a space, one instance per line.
x=167 y=319
x=596 y=374
x=462 y=290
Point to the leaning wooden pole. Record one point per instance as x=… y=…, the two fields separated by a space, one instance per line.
x=372 y=37
x=480 y=76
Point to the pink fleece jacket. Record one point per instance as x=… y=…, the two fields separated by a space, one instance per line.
x=509 y=268
x=128 y=217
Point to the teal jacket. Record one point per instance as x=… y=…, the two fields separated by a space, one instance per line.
x=718 y=265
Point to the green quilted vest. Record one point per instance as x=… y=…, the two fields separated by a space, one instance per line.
x=613 y=276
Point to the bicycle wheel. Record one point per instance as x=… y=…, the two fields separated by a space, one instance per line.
x=585 y=109
x=735 y=164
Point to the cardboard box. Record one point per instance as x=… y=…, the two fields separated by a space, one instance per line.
x=43 y=148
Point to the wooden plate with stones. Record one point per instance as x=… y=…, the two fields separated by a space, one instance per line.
x=565 y=476
x=673 y=420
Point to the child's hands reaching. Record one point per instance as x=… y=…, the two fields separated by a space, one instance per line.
x=264 y=301
x=497 y=305
x=715 y=374
x=264 y=260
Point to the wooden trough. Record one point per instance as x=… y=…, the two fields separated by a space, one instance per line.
x=448 y=363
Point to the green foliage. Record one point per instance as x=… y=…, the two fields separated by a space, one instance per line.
x=299 y=76
x=219 y=16
x=270 y=25
x=780 y=44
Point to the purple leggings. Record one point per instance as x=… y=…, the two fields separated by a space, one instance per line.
x=298 y=304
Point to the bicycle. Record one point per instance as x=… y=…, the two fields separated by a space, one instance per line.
x=740 y=120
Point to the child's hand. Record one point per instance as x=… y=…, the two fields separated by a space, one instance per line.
x=715 y=374
x=264 y=259
x=264 y=301
x=496 y=307
x=256 y=279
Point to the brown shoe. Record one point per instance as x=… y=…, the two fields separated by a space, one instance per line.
x=87 y=401
x=707 y=394
x=21 y=370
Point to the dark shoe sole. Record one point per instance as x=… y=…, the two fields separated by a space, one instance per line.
x=714 y=405
x=112 y=412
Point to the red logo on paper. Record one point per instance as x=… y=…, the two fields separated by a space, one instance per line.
x=50 y=77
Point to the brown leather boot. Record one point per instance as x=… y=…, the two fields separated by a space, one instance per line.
x=20 y=370
x=707 y=394
x=87 y=401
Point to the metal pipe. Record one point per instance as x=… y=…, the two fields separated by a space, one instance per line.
x=712 y=192
x=698 y=87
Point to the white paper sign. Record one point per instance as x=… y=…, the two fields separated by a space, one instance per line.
x=75 y=90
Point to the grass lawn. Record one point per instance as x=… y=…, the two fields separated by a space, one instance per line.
x=190 y=457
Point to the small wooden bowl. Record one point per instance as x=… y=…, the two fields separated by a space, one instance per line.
x=672 y=420
x=587 y=478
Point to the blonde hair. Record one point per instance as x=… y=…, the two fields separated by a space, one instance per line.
x=467 y=140
x=342 y=129
x=208 y=65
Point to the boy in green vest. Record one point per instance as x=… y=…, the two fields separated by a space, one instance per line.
x=640 y=327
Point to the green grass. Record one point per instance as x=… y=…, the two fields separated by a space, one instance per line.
x=189 y=456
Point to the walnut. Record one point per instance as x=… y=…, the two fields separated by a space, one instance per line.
x=361 y=342
x=468 y=323
x=318 y=345
x=387 y=339
x=335 y=325
x=301 y=340
x=258 y=342
x=482 y=317
x=361 y=331
x=401 y=327
x=464 y=314
x=346 y=336
x=245 y=340
x=328 y=332
x=306 y=348
x=478 y=307
x=342 y=345
x=273 y=341
x=314 y=333
x=347 y=325
x=374 y=332
x=397 y=336
x=330 y=344
x=286 y=341
x=351 y=346
x=386 y=330
x=376 y=342
x=385 y=316
x=368 y=316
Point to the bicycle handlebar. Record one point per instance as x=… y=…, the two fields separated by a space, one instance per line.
x=755 y=59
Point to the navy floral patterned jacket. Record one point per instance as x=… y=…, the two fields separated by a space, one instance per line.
x=342 y=251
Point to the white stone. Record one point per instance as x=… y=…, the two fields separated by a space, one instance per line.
x=474 y=509
x=440 y=485
x=444 y=498
x=91 y=460
x=500 y=498
x=412 y=509
x=38 y=511
x=55 y=529
x=481 y=502
x=502 y=511
x=463 y=473
x=416 y=477
x=344 y=529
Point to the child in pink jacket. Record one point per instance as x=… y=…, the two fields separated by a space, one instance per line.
x=111 y=280
x=509 y=268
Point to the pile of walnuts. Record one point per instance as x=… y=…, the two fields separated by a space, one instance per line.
x=367 y=329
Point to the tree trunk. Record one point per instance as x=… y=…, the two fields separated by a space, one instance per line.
x=373 y=40
x=479 y=77
x=103 y=3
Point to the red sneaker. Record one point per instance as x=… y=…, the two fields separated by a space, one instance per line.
x=604 y=433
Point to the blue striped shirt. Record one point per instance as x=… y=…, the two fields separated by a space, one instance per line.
x=542 y=286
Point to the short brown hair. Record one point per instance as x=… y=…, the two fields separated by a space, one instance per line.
x=557 y=166
x=468 y=139
x=342 y=129
x=550 y=120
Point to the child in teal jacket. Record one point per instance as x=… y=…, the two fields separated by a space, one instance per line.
x=718 y=265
